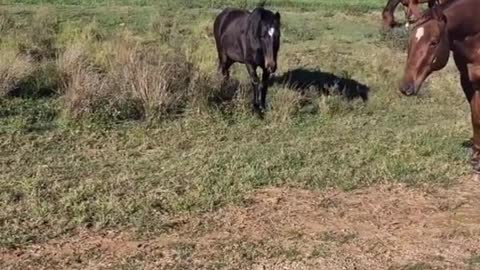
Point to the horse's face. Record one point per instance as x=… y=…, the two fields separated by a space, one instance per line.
x=412 y=10
x=388 y=20
x=428 y=51
x=270 y=39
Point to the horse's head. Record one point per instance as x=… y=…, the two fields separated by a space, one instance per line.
x=388 y=20
x=412 y=10
x=264 y=31
x=387 y=14
x=428 y=50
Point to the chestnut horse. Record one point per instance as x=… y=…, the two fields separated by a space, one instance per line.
x=411 y=7
x=451 y=26
x=251 y=38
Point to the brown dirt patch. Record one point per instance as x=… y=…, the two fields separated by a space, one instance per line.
x=382 y=227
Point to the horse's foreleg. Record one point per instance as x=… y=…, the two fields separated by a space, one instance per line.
x=472 y=97
x=462 y=67
x=255 y=85
x=264 y=89
x=475 y=110
x=474 y=76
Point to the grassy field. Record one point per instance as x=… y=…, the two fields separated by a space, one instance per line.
x=113 y=124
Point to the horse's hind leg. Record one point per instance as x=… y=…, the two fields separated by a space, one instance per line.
x=224 y=67
x=224 y=63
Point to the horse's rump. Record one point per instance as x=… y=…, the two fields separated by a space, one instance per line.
x=229 y=17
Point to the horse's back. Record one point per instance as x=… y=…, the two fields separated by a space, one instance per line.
x=229 y=16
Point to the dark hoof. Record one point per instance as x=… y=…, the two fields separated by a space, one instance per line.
x=475 y=166
x=468 y=143
x=259 y=111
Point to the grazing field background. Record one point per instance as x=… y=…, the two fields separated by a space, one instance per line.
x=120 y=150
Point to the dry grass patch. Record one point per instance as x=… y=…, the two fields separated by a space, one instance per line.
x=13 y=69
x=161 y=82
x=147 y=83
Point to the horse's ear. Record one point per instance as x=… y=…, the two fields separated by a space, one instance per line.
x=277 y=16
x=438 y=14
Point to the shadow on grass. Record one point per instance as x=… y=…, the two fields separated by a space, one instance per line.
x=324 y=82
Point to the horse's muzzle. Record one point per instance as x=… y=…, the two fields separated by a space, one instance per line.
x=271 y=67
x=408 y=89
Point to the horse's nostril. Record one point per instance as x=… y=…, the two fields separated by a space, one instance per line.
x=407 y=89
x=271 y=68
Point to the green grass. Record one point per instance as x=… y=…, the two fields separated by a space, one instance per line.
x=311 y=4
x=474 y=262
x=59 y=175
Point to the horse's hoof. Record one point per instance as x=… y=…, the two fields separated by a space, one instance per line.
x=257 y=110
x=476 y=177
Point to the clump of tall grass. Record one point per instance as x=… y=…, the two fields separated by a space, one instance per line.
x=160 y=82
x=38 y=39
x=396 y=38
x=14 y=68
x=139 y=83
x=85 y=89
x=285 y=105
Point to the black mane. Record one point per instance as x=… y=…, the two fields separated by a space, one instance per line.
x=429 y=13
x=391 y=6
x=262 y=4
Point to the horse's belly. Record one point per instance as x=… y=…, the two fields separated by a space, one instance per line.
x=233 y=48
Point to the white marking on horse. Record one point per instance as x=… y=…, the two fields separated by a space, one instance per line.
x=419 y=34
x=271 y=31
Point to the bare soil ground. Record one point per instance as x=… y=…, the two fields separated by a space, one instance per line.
x=382 y=227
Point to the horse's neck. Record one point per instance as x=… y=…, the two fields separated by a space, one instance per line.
x=391 y=5
x=469 y=48
x=460 y=23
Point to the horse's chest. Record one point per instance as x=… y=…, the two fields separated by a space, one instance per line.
x=474 y=72
x=474 y=65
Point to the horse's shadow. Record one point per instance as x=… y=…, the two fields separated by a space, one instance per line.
x=325 y=83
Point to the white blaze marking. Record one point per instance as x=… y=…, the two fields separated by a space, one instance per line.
x=420 y=33
x=271 y=31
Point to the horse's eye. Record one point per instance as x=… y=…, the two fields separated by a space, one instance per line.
x=434 y=43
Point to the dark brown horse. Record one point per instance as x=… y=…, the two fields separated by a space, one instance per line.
x=452 y=26
x=411 y=7
x=251 y=38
